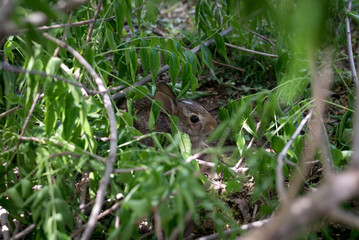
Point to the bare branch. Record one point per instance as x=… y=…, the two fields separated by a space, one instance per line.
x=347 y=218
x=98 y=217
x=229 y=66
x=24 y=232
x=261 y=36
x=28 y=118
x=83 y=194
x=228 y=232
x=349 y=46
x=113 y=135
x=158 y=224
x=282 y=156
x=320 y=85
x=9 y=111
x=94 y=21
x=129 y=170
x=68 y=146
x=251 y=51
x=303 y=211
x=75 y=24
x=238 y=164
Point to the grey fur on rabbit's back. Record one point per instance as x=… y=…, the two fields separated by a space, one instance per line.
x=194 y=119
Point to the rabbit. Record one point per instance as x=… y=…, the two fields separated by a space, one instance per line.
x=194 y=119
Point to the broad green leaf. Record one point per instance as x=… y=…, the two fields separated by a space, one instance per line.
x=34 y=82
x=15 y=197
x=175 y=66
x=129 y=19
x=145 y=56
x=8 y=47
x=131 y=59
x=194 y=84
x=71 y=115
x=109 y=36
x=207 y=58
x=186 y=78
x=175 y=47
x=154 y=113
x=192 y=59
x=221 y=48
x=140 y=92
x=277 y=144
x=120 y=15
x=353 y=15
x=90 y=56
x=241 y=143
x=154 y=63
x=53 y=65
x=138 y=206
x=151 y=12
x=185 y=145
x=67 y=219
x=51 y=116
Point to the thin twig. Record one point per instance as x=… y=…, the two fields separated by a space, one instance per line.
x=24 y=232
x=348 y=218
x=10 y=111
x=158 y=224
x=113 y=136
x=64 y=154
x=37 y=97
x=64 y=34
x=251 y=51
x=261 y=36
x=282 y=156
x=349 y=46
x=219 y=7
x=228 y=232
x=130 y=170
x=238 y=164
x=94 y=21
x=292 y=218
x=320 y=85
x=229 y=66
x=68 y=146
x=75 y=24
x=83 y=193
x=165 y=68
x=98 y=217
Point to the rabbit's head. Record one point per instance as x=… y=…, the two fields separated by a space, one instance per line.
x=194 y=119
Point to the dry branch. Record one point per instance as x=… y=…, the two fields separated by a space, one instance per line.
x=99 y=5
x=291 y=218
x=349 y=46
x=9 y=111
x=113 y=135
x=282 y=156
x=24 y=232
x=251 y=51
x=28 y=117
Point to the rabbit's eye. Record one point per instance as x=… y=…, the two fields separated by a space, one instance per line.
x=194 y=119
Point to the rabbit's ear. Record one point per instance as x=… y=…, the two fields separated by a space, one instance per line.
x=165 y=95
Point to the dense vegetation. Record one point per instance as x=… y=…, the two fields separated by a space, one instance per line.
x=276 y=75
